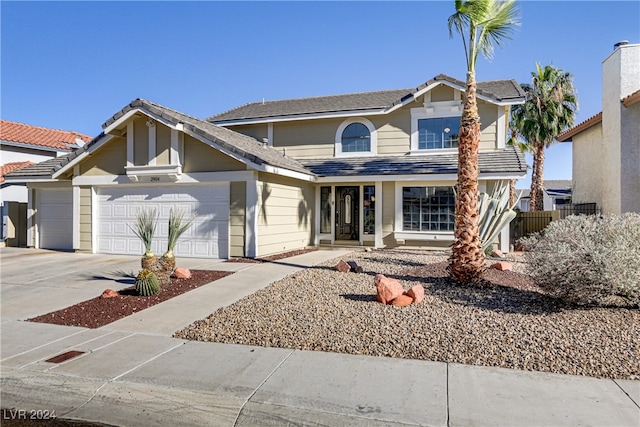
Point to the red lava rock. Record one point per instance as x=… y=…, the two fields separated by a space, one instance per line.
x=502 y=266
x=182 y=273
x=402 y=301
x=387 y=289
x=109 y=293
x=416 y=293
x=343 y=267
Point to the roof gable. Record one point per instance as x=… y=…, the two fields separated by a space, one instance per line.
x=39 y=137
x=498 y=91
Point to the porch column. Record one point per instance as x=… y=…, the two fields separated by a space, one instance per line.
x=76 y=217
x=251 y=218
x=378 y=213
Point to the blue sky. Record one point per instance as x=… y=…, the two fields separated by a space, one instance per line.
x=72 y=65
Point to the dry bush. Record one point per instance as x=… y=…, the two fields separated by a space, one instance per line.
x=588 y=259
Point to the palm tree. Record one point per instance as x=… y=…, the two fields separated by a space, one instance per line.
x=550 y=107
x=482 y=24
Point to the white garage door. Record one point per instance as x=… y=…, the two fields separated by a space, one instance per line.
x=208 y=237
x=55 y=218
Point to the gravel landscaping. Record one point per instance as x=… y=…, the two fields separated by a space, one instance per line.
x=510 y=323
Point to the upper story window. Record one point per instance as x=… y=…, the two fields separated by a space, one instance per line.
x=435 y=127
x=438 y=133
x=355 y=137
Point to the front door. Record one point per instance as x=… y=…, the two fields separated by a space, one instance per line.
x=347 y=214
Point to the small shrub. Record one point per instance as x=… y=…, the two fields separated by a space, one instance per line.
x=588 y=259
x=147 y=283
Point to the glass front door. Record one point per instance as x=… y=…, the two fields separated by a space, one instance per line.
x=347 y=213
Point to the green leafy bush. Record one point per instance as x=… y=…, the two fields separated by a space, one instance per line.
x=588 y=259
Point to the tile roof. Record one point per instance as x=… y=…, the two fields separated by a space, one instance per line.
x=21 y=133
x=568 y=134
x=242 y=145
x=629 y=100
x=508 y=160
x=13 y=166
x=499 y=90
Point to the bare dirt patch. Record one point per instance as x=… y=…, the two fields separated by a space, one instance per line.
x=98 y=312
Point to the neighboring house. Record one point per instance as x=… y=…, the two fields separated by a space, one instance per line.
x=606 y=147
x=369 y=169
x=22 y=145
x=557 y=193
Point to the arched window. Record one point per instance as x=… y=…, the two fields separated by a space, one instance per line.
x=356 y=138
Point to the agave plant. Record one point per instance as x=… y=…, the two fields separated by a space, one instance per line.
x=177 y=227
x=145 y=228
x=495 y=214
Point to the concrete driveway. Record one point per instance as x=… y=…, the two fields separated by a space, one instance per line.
x=36 y=281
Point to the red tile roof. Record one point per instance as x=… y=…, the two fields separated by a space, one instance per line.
x=568 y=134
x=13 y=166
x=628 y=101
x=35 y=135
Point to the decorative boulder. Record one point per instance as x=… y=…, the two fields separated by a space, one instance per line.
x=416 y=293
x=182 y=273
x=497 y=254
x=343 y=267
x=109 y=293
x=402 y=301
x=502 y=266
x=387 y=289
x=354 y=267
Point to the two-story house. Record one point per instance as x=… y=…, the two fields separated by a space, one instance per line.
x=369 y=169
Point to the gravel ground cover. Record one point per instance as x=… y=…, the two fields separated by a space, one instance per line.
x=510 y=324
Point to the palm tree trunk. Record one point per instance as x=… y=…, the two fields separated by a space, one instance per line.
x=537 y=179
x=512 y=192
x=467 y=258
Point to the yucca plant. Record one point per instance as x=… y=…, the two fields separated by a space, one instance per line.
x=177 y=227
x=495 y=213
x=145 y=228
x=147 y=283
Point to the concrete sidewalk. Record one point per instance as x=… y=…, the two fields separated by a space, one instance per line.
x=132 y=373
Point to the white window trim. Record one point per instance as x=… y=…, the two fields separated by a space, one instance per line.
x=372 y=132
x=399 y=233
x=433 y=110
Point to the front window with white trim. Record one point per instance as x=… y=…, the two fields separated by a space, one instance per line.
x=428 y=208
x=435 y=127
x=355 y=137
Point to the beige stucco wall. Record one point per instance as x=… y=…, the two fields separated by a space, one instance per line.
x=199 y=157
x=237 y=216
x=285 y=214
x=110 y=159
x=85 y=219
x=588 y=170
x=630 y=168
